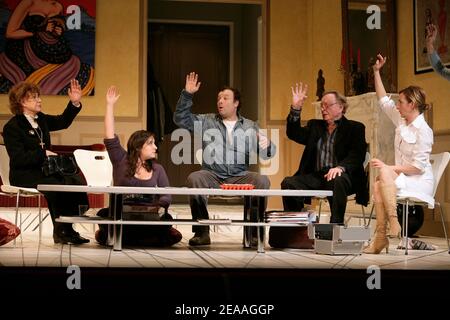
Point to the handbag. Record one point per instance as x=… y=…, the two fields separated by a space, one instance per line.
x=61 y=164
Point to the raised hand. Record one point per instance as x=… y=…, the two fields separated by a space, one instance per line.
x=192 y=84
x=75 y=92
x=299 y=95
x=112 y=95
x=431 y=37
x=379 y=63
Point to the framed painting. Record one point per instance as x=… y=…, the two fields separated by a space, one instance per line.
x=428 y=12
x=47 y=43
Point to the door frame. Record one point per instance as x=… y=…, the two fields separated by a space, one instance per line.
x=263 y=54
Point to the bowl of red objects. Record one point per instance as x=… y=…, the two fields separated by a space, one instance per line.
x=236 y=186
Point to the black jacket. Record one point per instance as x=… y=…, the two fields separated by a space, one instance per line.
x=350 y=149
x=22 y=143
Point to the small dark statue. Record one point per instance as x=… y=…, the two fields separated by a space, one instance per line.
x=320 y=85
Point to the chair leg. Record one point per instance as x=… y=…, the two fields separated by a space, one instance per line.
x=370 y=216
x=320 y=207
x=405 y=224
x=17 y=215
x=443 y=225
x=364 y=215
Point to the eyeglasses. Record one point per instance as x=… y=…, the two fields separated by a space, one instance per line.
x=326 y=106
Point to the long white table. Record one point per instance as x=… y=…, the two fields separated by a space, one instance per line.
x=116 y=193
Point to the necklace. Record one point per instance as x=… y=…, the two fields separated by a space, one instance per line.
x=40 y=136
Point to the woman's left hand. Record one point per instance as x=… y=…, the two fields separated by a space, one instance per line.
x=75 y=92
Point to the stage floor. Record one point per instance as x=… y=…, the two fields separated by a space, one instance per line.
x=224 y=264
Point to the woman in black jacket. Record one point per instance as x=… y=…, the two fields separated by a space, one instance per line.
x=27 y=140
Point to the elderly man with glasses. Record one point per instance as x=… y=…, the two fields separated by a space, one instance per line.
x=334 y=154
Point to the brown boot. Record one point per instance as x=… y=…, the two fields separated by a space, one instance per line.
x=380 y=240
x=389 y=195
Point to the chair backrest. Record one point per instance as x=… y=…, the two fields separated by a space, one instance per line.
x=96 y=167
x=366 y=160
x=4 y=165
x=439 y=162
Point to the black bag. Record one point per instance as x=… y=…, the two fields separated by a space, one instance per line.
x=61 y=164
x=290 y=237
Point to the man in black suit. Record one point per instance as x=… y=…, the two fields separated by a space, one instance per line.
x=334 y=154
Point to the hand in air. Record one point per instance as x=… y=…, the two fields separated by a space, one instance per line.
x=75 y=92
x=192 y=84
x=112 y=95
x=379 y=63
x=299 y=95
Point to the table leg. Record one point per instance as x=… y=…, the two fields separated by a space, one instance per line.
x=117 y=212
x=261 y=233
x=247 y=217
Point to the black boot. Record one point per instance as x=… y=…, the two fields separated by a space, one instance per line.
x=64 y=234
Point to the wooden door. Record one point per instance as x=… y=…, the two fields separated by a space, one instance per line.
x=174 y=51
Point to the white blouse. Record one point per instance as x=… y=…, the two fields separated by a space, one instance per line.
x=412 y=145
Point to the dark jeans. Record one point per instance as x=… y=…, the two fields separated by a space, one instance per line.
x=208 y=179
x=341 y=187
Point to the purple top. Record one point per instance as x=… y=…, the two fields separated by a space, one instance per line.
x=118 y=156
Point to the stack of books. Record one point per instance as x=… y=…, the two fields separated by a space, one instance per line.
x=290 y=216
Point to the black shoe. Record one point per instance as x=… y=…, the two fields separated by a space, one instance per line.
x=66 y=237
x=200 y=239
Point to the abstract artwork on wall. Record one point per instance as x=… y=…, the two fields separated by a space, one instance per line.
x=47 y=43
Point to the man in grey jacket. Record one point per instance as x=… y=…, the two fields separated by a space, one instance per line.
x=229 y=144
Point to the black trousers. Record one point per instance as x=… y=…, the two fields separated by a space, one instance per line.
x=64 y=203
x=341 y=187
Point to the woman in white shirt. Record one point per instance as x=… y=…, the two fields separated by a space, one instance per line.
x=411 y=174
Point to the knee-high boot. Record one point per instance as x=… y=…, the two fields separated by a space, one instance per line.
x=380 y=240
x=389 y=195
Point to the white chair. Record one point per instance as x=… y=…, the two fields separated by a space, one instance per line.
x=18 y=192
x=95 y=166
x=439 y=162
x=352 y=197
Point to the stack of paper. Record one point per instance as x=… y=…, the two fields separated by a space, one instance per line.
x=288 y=216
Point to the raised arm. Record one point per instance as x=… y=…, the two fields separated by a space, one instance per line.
x=112 y=95
x=433 y=56
x=75 y=93
x=183 y=116
x=299 y=95
x=431 y=38
x=379 y=87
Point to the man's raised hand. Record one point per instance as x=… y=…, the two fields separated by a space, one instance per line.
x=192 y=83
x=299 y=95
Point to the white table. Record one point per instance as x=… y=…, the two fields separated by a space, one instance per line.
x=116 y=193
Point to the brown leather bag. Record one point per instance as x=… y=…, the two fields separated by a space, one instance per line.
x=290 y=237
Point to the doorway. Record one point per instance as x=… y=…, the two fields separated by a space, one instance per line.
x=219 y=41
